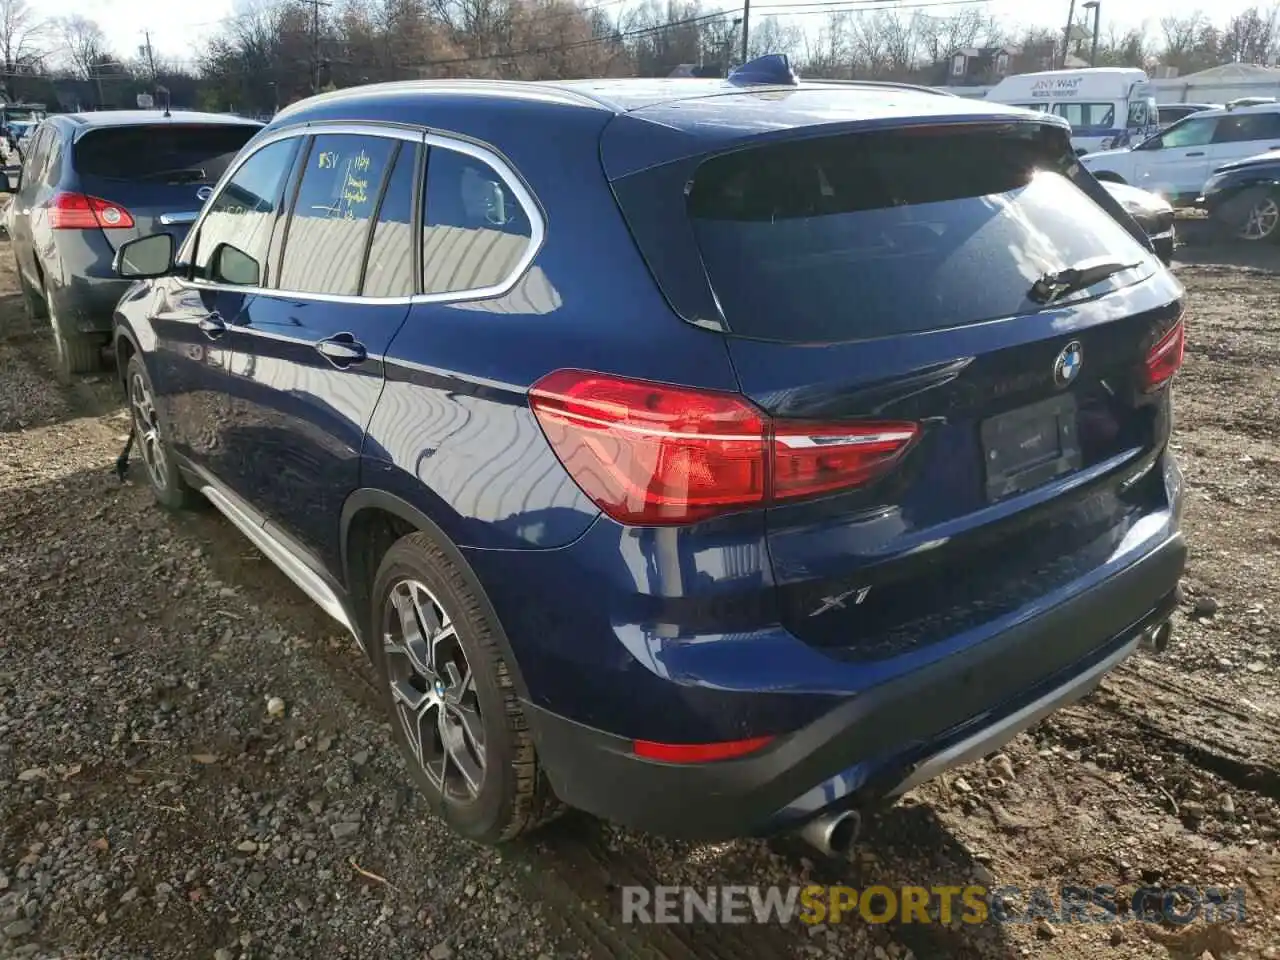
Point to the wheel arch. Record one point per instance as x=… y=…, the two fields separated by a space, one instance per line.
x=368 y=515
x=1110 y=176
x=125 y=345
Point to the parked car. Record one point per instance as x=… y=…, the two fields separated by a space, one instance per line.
x=90 y=182
x=681 y=474
x=1176 y=163
x=1171 y=113
x=1154 y=214
x=1244 y=197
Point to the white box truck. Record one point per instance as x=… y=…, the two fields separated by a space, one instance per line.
x=1107 y=107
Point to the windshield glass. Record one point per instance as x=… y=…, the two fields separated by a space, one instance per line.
x=188 y=153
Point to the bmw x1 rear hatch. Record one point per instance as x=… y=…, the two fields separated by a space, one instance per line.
x=960 y=353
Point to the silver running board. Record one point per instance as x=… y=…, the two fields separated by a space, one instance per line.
x=302 y=575
x=990 y=738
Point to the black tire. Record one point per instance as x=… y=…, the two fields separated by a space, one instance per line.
x=74 y=353
x=164 y=478
x=513 y=796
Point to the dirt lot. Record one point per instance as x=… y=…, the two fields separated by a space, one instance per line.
x=151 y=807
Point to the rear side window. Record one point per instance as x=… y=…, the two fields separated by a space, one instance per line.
x=161 y=153
x=475 y=229
x=869 y=235
x=1087 y=114
x=324 y=248
x=389 y=272
x=1244 y=127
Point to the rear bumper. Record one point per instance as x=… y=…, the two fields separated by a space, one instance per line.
x=87 y=304
x=881 y=741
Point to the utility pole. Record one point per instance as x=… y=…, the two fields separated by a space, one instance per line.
x=1066 y=34
x=746 y=26
x=315 y=42
x=1096 y=7
x=151 y=57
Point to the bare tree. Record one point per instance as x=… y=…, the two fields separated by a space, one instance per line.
x=1250 y=36
x=86 y=46
x=771 y=35
x=940 y=37
x=21 y=35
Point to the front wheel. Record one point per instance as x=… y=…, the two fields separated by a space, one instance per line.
x=163 y=476
x=453 y=705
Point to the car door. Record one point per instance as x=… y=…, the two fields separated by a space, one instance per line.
x=20 y=217
x=1243 y=135
x=1176 y=163
x=308 y=354
x=194 y=311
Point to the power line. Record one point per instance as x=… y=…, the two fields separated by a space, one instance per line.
x=827 y=7
x=557 y=48
x=864 y=6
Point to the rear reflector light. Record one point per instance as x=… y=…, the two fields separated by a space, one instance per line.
x=698 y=752
x=75 y=211
x=652 y=454
x=1165 y=358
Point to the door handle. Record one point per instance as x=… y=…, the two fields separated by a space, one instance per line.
x=1198 y=153
x=213 y=325
x=343 y=350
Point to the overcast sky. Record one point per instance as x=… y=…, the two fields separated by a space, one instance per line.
x=178 y=26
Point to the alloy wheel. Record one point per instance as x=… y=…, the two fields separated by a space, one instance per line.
x=1262 y=220
x=434 y=691
x=147 y=430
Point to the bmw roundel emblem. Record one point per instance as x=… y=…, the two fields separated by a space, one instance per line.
x=1067 y=367
x=204 y=193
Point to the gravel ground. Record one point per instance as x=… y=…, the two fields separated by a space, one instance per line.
x=154 y=804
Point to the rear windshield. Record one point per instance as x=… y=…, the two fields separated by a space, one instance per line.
x=868 y=235
x=173 y=154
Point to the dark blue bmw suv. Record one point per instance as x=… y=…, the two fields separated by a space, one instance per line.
x=720 y=457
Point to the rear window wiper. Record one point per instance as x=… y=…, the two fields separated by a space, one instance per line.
x=182 y=175
x=1057 y=284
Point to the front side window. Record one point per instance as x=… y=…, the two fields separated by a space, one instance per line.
x=337 y=198
x=475 y=230
x=242 y=216
x=1137 y=114
x=1192 y=132
x=35 y=155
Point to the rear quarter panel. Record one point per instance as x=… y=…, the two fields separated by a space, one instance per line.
x=453 y=433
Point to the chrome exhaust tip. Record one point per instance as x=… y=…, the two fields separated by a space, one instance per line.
x=1156 y=639
x=833 y=834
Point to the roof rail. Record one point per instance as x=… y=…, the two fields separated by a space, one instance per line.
x=886 y=84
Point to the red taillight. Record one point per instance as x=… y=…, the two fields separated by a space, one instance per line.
x=698 y=752
x=653 y=454
x=75 y=211
x=1164 y=359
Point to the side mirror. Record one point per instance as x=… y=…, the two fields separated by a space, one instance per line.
x=145 y=258
x=232 y=265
